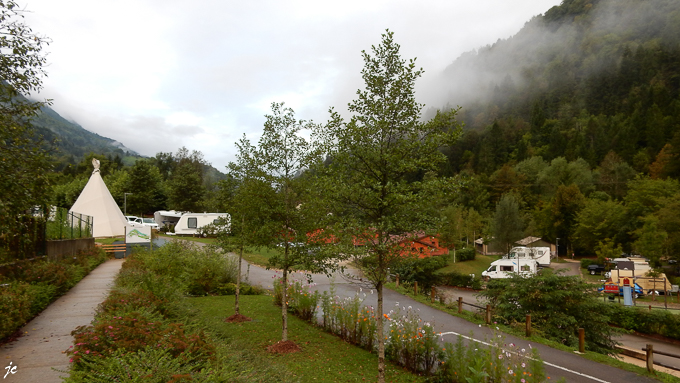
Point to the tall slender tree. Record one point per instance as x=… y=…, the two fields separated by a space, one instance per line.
x=371 y=182
x=271 y=171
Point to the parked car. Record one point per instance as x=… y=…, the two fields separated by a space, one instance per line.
x=150 y=222
x=134 y=221
x=595 y=269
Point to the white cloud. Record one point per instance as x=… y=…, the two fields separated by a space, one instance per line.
x=160 y=74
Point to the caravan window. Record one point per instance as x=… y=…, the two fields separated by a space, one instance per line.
x=192 y=223
x=525 y=268
x=506 y=268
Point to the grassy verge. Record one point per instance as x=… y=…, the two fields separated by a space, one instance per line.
x=475 y=266
x=324 y=357
x=519 y=332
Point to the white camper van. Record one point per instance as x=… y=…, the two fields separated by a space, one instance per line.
x=165 y=218
x=505 y=268
x=190 y=223
x=540 y=254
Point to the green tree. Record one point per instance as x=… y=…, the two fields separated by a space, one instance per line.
x=24 y=158
x=614 y=175
x=146 y=185
x=185 y=185
x=559 y=305
x=599 y=220
x=508 y=223
x=370 y=182
x=565 y=206
x=651 y=241
x=247 y=200
x=270 y=176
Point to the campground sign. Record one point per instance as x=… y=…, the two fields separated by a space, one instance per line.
x=137 y=234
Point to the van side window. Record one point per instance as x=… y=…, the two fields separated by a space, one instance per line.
x=506 y=268
x=525 y=268
x=192 y=223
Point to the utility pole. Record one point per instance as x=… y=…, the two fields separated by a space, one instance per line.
x=125 y=203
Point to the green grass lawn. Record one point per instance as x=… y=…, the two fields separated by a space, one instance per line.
x=475 y=266
x=324 y=357
x=259 y=256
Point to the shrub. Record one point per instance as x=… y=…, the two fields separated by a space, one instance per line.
x=585 y=262
x=347 y=318
x=465 y=254
x=559 y=305
x=150 y=364
x=455 y=278
x=421 y=270
x=302 y=301
x=659 y=322
x=134 y=332
x=123 y=301
x=41 y=296
x=15 y=306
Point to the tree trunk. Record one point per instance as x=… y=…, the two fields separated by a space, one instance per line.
x=284 y=306
x=238 y=281
x=381 y=336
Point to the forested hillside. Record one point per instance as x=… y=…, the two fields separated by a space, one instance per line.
x=586 y=78
x=575 y=123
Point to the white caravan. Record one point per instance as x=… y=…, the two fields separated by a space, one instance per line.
x=539 y=254
x=505 y=268
x=190 y=223
x=166 y=218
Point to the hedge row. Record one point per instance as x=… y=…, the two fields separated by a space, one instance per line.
x=29 y=288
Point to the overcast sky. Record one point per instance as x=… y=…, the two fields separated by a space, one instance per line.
x=160 y=74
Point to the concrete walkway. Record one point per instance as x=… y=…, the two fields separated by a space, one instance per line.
x=46 y=337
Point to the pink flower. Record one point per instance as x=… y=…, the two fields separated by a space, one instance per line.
x=111 y=327
x=87 y=352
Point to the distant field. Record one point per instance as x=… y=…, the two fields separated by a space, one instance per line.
x=476 y=266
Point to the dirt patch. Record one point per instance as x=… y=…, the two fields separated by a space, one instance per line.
x=282 y=347
x=237 y=318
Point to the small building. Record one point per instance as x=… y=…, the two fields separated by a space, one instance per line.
x=422 y=245
x=491 y=248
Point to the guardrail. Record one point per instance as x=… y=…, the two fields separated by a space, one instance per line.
x=649 y=358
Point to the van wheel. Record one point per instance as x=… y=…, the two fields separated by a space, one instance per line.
x=592 y=272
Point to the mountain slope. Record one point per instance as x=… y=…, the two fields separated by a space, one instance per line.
x=73 y=140
x=586 y=78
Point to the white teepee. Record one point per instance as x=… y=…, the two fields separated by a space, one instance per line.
x=96 y=200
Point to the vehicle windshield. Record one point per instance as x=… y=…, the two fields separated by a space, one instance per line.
x=148 y=220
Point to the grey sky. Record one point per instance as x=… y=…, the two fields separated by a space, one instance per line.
x=160 y=74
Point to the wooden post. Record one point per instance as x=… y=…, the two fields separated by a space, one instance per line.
x=650 y=308
x=415 y=287
x=528 y=325
x=581 y=340
x=650 y=357
x=488 y=314
x=432 y=295
x=665 y=295
x=397 y=280
x=460 y=305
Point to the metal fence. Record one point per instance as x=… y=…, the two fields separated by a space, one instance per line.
x=25 y=237
x=63 y=224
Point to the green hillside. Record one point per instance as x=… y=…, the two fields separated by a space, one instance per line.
x=586 y=78
x=73 y=141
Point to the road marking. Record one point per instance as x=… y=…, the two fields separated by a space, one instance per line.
x=544 y=362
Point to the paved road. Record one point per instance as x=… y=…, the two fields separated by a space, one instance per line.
x=558 y=363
